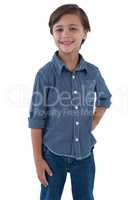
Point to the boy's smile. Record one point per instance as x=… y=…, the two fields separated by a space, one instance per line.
x=68 y=33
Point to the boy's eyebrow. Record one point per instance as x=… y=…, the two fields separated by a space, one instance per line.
x=56 y=26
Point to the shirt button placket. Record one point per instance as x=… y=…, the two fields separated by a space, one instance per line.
x=76 y=119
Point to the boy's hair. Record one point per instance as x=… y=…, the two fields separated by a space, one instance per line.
x=69 y=9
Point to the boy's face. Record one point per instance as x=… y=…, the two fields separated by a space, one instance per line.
x=68 y=33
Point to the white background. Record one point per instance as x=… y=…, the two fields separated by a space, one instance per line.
x=25 y=46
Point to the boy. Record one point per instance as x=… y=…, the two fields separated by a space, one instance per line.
x=61 y=115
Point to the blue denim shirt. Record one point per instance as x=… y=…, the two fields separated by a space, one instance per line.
x=62 y=105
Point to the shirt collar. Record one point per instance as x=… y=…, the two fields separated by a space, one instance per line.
x=60 y=64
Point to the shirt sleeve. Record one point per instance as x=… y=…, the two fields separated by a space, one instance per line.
x=38 y=109
x=103 y=95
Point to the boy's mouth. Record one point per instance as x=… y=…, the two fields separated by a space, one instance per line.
x=66 y=42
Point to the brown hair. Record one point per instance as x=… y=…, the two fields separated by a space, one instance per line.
x=69 y=9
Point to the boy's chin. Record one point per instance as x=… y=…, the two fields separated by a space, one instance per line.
x=67 y=51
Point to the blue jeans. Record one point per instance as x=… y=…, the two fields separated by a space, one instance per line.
x=82 y=173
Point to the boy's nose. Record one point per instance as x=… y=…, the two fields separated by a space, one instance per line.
x=66 y=32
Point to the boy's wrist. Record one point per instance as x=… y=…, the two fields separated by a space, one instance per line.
x=38 y=159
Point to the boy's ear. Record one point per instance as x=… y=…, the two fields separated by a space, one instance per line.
x=85 y=35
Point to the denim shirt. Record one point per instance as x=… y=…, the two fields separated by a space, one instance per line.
x=62 y=105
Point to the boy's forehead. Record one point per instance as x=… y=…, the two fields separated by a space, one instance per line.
x=71 y=20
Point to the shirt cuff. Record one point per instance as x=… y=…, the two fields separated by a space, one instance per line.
x=36 y=123
x=103 y=103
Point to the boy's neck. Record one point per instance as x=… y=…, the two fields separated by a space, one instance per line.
x=70 y=60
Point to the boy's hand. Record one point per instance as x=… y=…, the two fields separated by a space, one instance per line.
x=42 y=168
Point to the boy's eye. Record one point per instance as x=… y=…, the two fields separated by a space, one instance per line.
x=73 y=29
x=59 y=30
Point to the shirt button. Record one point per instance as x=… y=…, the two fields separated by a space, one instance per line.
x=76 y=139
x=76 y=107
x=73 y=76
x=75 y=91
x=77 y=123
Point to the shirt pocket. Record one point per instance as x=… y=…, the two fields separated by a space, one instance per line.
x=88 y=92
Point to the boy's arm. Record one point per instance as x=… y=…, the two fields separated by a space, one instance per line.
x=103 y=99
x=36 y=137
x=98 y=114
x=41 y=164
x=37 y=121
